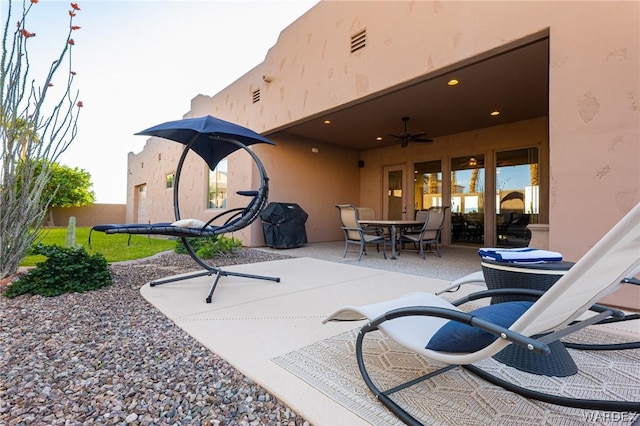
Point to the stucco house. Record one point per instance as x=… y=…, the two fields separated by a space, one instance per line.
x=532 y=109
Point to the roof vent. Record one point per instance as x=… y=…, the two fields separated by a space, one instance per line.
x=358 y=41
x=256 y=96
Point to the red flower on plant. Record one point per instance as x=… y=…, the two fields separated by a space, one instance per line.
x=27 y=34
x=49 y=84
x=72 y=72
x=71 y=13
x=71 y=42
x=80 y=104
x=34 y=1
x=75 y=28
x=75 y=6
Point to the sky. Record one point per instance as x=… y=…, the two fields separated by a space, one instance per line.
x=139 y=63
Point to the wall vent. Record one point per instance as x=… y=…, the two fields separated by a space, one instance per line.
x=358 y=41
x=256 y=96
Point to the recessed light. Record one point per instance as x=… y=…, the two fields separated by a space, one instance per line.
x=379 y=138
x=495 y=113
x=453 y=82
x=327 y=121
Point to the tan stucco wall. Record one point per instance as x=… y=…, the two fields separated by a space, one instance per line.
x=93 y=214
x=150 y=167
x=316 y=182
x=594 y=97
x=159 y=158
x=594 y=111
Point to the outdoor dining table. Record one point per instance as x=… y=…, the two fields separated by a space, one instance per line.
x=393 y=225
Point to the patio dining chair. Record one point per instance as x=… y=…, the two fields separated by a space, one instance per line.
x=419 y=216
x=441 y=331
x=429 y=234
x=357 y=234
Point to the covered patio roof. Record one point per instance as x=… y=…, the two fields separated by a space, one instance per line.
x=513 y=79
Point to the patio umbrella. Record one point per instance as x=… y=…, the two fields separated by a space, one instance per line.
x=206 y=136
x=213 y=139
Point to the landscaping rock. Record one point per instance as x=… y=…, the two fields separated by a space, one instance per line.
x=109 y=357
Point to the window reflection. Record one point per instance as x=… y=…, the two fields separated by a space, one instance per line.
x=467 y=199
x=517 y=196
x=427 y=185
x=218 y=186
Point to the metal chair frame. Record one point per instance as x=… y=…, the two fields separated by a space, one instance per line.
x=238 y=218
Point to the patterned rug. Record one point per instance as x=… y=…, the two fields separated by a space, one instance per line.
x=457 y=397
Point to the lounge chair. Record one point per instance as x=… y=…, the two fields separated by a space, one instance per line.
x=355 y=233
x=441 y=331
x=212 y=147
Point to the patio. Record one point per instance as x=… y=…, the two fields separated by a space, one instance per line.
x=253 y=324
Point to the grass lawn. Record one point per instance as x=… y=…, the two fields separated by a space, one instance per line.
x=113 y=247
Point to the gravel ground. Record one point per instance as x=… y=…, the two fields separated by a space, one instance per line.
x=109 y=357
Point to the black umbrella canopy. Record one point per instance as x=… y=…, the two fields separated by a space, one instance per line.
x=206 y=136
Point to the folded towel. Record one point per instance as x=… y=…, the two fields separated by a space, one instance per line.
x=525 y=254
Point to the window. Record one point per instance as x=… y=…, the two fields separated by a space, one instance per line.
x=170 y=180
x=467 y=199
x=517 y=196
x=427 y=180
x=218 y=186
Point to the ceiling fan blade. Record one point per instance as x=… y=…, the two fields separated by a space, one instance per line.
x=422 y=140
x=417 y=135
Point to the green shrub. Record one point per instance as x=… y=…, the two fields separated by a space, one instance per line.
x=208 y=248
x=66 y=270
x=195 y=243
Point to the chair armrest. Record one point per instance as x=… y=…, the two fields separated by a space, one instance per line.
x=633 y=281
x=474 y=277
x=374 y=230
x=464 y=318
x=498 y=292
x=346 y=228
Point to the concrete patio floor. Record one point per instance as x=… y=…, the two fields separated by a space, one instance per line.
x=250 y=322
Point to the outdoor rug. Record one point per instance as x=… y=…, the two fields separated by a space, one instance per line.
x=457 y=397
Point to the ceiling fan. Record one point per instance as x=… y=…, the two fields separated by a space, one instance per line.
x=407 y=137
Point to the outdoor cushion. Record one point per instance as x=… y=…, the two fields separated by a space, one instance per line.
x=457 y=337
x=189 y=223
